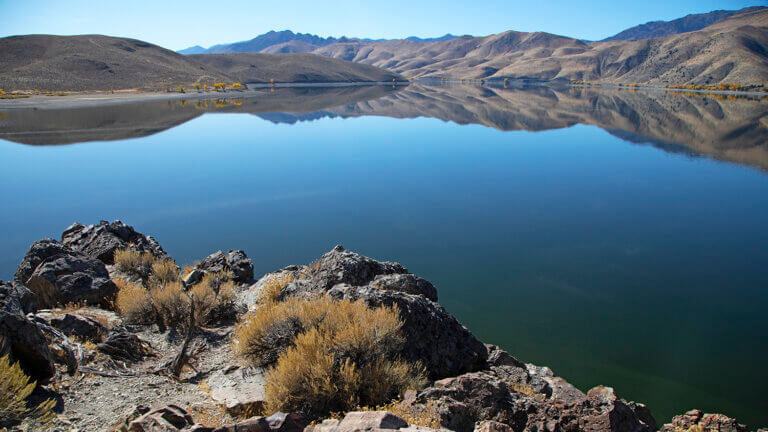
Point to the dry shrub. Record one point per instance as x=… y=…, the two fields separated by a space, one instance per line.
x=348 y=358
x=270 y=291
x=164 y=271
x=171 y=304
x=215 y=280
x=214 y=299
x=204 y=298
x=265 y=333
x=133 y=302
x=131 y=261
x=15 y=387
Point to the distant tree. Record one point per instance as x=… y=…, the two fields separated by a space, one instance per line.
x=198 y=86
x=181 y=89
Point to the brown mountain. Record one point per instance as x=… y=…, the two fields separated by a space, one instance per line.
x=95 y=62
x=732 y=50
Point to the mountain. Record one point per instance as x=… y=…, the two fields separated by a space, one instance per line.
x=688 y=23
x=733 y=50
x=445 y=37
x=95 y=62
x=291 y=68
x=197 y=49
x=262 y=42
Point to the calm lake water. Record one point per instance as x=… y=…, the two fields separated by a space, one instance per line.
x=619 y=238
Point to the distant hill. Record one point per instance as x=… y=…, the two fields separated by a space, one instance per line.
x=296 y=67
x=95 y=62
x=688 y=23
x=262 y=42
x=733 y=50
x=446 y=37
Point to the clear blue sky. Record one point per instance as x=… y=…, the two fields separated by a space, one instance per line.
x=179 y=24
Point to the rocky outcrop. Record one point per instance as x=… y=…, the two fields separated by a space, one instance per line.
x=405 y=283
x=342 y=266
x=432 y=336
x=711 y=422
x=527 y=397
x=21 y=338
x=16 y=298
x=75 y=325
x=58 y=274
x=237 y=389
x=169 y=418
x=102 y=240
x=235 y=261
x=357 y=421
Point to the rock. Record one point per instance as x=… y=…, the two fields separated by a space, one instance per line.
x=715 y=422
x=367 y=420
x=235 y=261
x=16 y=298
x=432 y=336
x=170 y=418
x=193 y=278
x=492 y=426
x=21 y=338
x=278 y=422
x=465 y=401
x=59 y=275
x=240 y=391
x=406 y=283
x=342 y=266
x=102 y=240
x=74 y=325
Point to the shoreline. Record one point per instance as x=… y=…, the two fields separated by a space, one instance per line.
x=103 y=98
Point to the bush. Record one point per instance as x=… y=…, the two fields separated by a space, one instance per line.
x=273 y=287
x=348 y=359
x=133 y=302
x=15 y=387
x=134 y=262
x=171 y=304
x=164 y=271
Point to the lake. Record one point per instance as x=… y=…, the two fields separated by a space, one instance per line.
x=618 y=237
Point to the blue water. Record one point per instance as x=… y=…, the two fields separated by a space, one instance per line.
x=610 y=262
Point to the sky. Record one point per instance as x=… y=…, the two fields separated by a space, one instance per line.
x=180 y=24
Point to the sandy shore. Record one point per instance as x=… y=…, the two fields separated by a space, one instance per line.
x=103 y=98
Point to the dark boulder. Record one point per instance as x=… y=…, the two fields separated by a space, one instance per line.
x=102 y=240
x=235 y=261
x=342 y=266
x=75 y=325
x=432 y=336
x=16 y=298
x=21 y=338
x=59 y=275
x=406 y=283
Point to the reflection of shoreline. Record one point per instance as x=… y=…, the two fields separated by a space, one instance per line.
x=727 y=128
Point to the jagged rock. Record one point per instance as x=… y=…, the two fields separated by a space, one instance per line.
x=239 y=390
x=366 y=421
x=193 y=277
x=432 y=336
x=74 y=325
x=407 y=283
x=718 y=422
x=278 y=422
x=59 y=275
x=16 y=298
x=21 y=338
x=170 y=418
x=235 y=261
x=341 y=266
x=102 y=240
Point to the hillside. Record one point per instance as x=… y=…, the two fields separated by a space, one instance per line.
x=262 y=42
x=685 y=24
x=732 y=50
x=298 y=67
x=93 y=62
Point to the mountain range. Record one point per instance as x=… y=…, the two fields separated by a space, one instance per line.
x=720 y=46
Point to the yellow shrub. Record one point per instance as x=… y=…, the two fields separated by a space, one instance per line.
x=164 y=271
x=205 y=301
x=349 y=359
x=15 y=387
x=271 y=289
x=171 y=304
x=129 y=260
x=133 y=302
